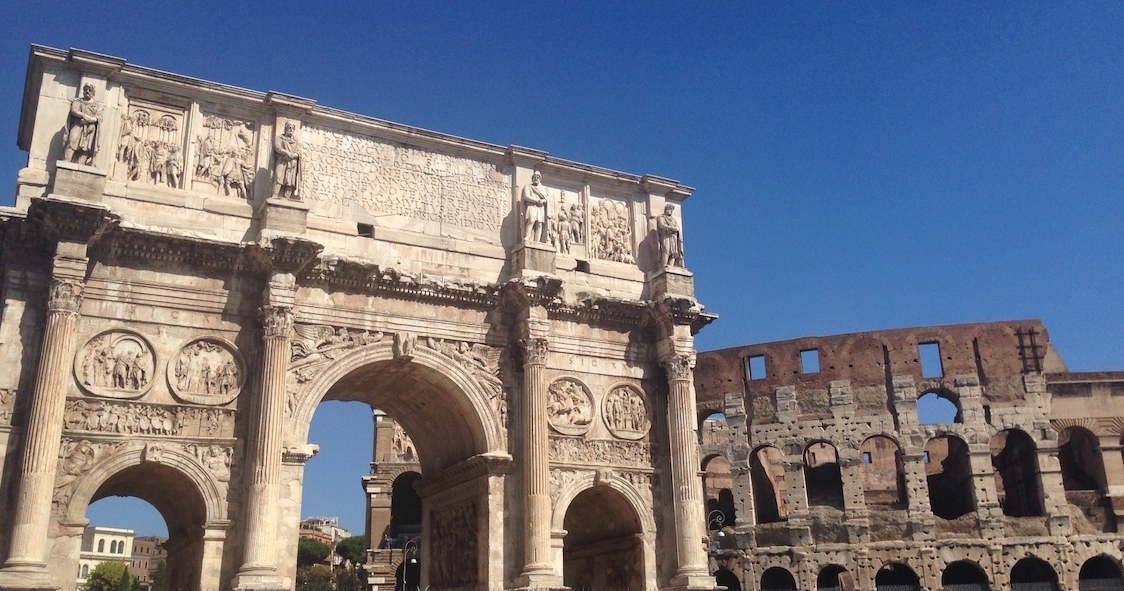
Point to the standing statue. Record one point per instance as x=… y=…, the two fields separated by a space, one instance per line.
x=534 y=209
x=286 y=165
x=671 y=240
x=81 y=136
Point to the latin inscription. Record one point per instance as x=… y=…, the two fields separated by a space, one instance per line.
x=343 y=169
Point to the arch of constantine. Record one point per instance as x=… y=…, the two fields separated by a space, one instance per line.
x=191 y=268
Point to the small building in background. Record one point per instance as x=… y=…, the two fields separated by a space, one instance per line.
x=148 y=552
x=102 y=544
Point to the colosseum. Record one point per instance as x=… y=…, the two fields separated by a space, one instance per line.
x=963 y=457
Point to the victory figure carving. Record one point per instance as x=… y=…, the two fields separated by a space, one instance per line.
x=81 y=136
x=671 y=240
x=286 y=165
x=534 y=209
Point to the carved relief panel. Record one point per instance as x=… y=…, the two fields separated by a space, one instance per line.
x=626 y=413
x=150 y=146
x=454 y=550
x=569 y=450
x=225 y=156
x=7 y=405
x=610 y=231
x=133 y=418
x=206 y=371
x=570 y=407
x=115 y=364
x=76 y=458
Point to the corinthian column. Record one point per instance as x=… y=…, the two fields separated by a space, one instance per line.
x=28 y=550
x=538 y=569
x=259 y=564
x=691 y=567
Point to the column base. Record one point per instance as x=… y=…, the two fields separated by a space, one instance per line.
x=544 y=578
x=692 y=582
x=263 y=579
x=26 y=578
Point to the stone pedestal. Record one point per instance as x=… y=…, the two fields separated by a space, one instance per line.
x=672 y=281
x=533 y=258
x=78 y=181
x=282 y=215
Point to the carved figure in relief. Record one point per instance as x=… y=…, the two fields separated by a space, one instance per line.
x=569 y=411
x=116 y=361
x=7 y=404
x=401 y=444
x=561 y=231
x=217 y=460
x=577 y=223
x=454 y=550
x=150 y=148
x=286 y=165
x=206 y=368
x=75 y=460
x=534 y=201
x=225 y=156
x=81 y=135
x=625 y=413
x=671 y=239
x=610 y=232
x=613 y=453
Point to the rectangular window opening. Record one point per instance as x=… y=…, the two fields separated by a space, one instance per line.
x=810 y=361
x=867 y=458
x=583 y=266
x=930 y=355
x=925 y=457
x=366 y=230
x=756 y=365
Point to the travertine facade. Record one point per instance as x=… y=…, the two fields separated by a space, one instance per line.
x=190 y=268
x=840 y=474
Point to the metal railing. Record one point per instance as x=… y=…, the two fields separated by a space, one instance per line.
x=1101 y=585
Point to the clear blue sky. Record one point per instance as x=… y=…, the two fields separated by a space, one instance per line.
x=858 y=165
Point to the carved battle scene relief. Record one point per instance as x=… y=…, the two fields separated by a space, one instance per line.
x=570 y=408
x=225 y=159
x=150 y=147
x=115 y=364
x=610 y=231
x=454 y=546
x=386 y=179
x=571 y=450
x=206 y=371
x=132 y=418
x=626 y=413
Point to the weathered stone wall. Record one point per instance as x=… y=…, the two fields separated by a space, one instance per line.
x=1029 y=468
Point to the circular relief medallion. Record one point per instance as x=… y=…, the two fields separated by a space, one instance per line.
x=115 y=364
x=570 y=409
x=626 y=413
x=206 y=371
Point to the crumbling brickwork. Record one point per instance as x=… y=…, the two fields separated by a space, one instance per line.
x=963 y=457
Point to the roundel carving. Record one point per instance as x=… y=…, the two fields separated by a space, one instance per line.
x=570 y=407
x=206 y=371
x=626 y=413
x=115 y=364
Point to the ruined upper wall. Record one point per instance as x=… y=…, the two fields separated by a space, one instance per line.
x=187 y=155
x=998 y=352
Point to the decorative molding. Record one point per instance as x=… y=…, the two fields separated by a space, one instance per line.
x=277 y=321
x=65 y=296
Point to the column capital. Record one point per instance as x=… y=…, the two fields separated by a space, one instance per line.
x=277 y=321
x=535 y=350
x=679 y=366
x=65 y=296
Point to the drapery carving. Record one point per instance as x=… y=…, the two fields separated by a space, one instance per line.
x=206 y=371
x=570 y=407
x=116 y=364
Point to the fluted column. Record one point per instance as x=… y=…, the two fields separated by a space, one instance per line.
x=691 y=567
x=41 y=441
x=538 y=570
x=260 y=559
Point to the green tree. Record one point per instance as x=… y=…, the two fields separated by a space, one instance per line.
x=310 y=552
x=125 y=582
x=353 y=549
x=160 y=577
x=107 y=576
x=317 y=577
x=347 y=579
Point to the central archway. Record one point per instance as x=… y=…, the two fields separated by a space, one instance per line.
x=453 y=413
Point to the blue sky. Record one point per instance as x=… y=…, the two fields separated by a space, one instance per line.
x=857 y=165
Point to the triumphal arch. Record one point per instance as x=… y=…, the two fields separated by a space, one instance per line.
x=191 y=268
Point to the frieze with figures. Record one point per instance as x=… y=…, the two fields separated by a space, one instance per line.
x=483 y=362
x=313 y=344
x=610 y=231
x=115 y=364
x=574 y=450
x=133 y=418
x=570 y=407
x=454 y=550
x=150 y=145
x=626 y=413
x=206 y=371
x=224 y=158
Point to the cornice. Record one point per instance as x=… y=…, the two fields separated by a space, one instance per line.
x=62 y=219
x=468 y=470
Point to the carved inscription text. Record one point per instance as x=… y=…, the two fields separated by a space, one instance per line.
x=343 y=169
